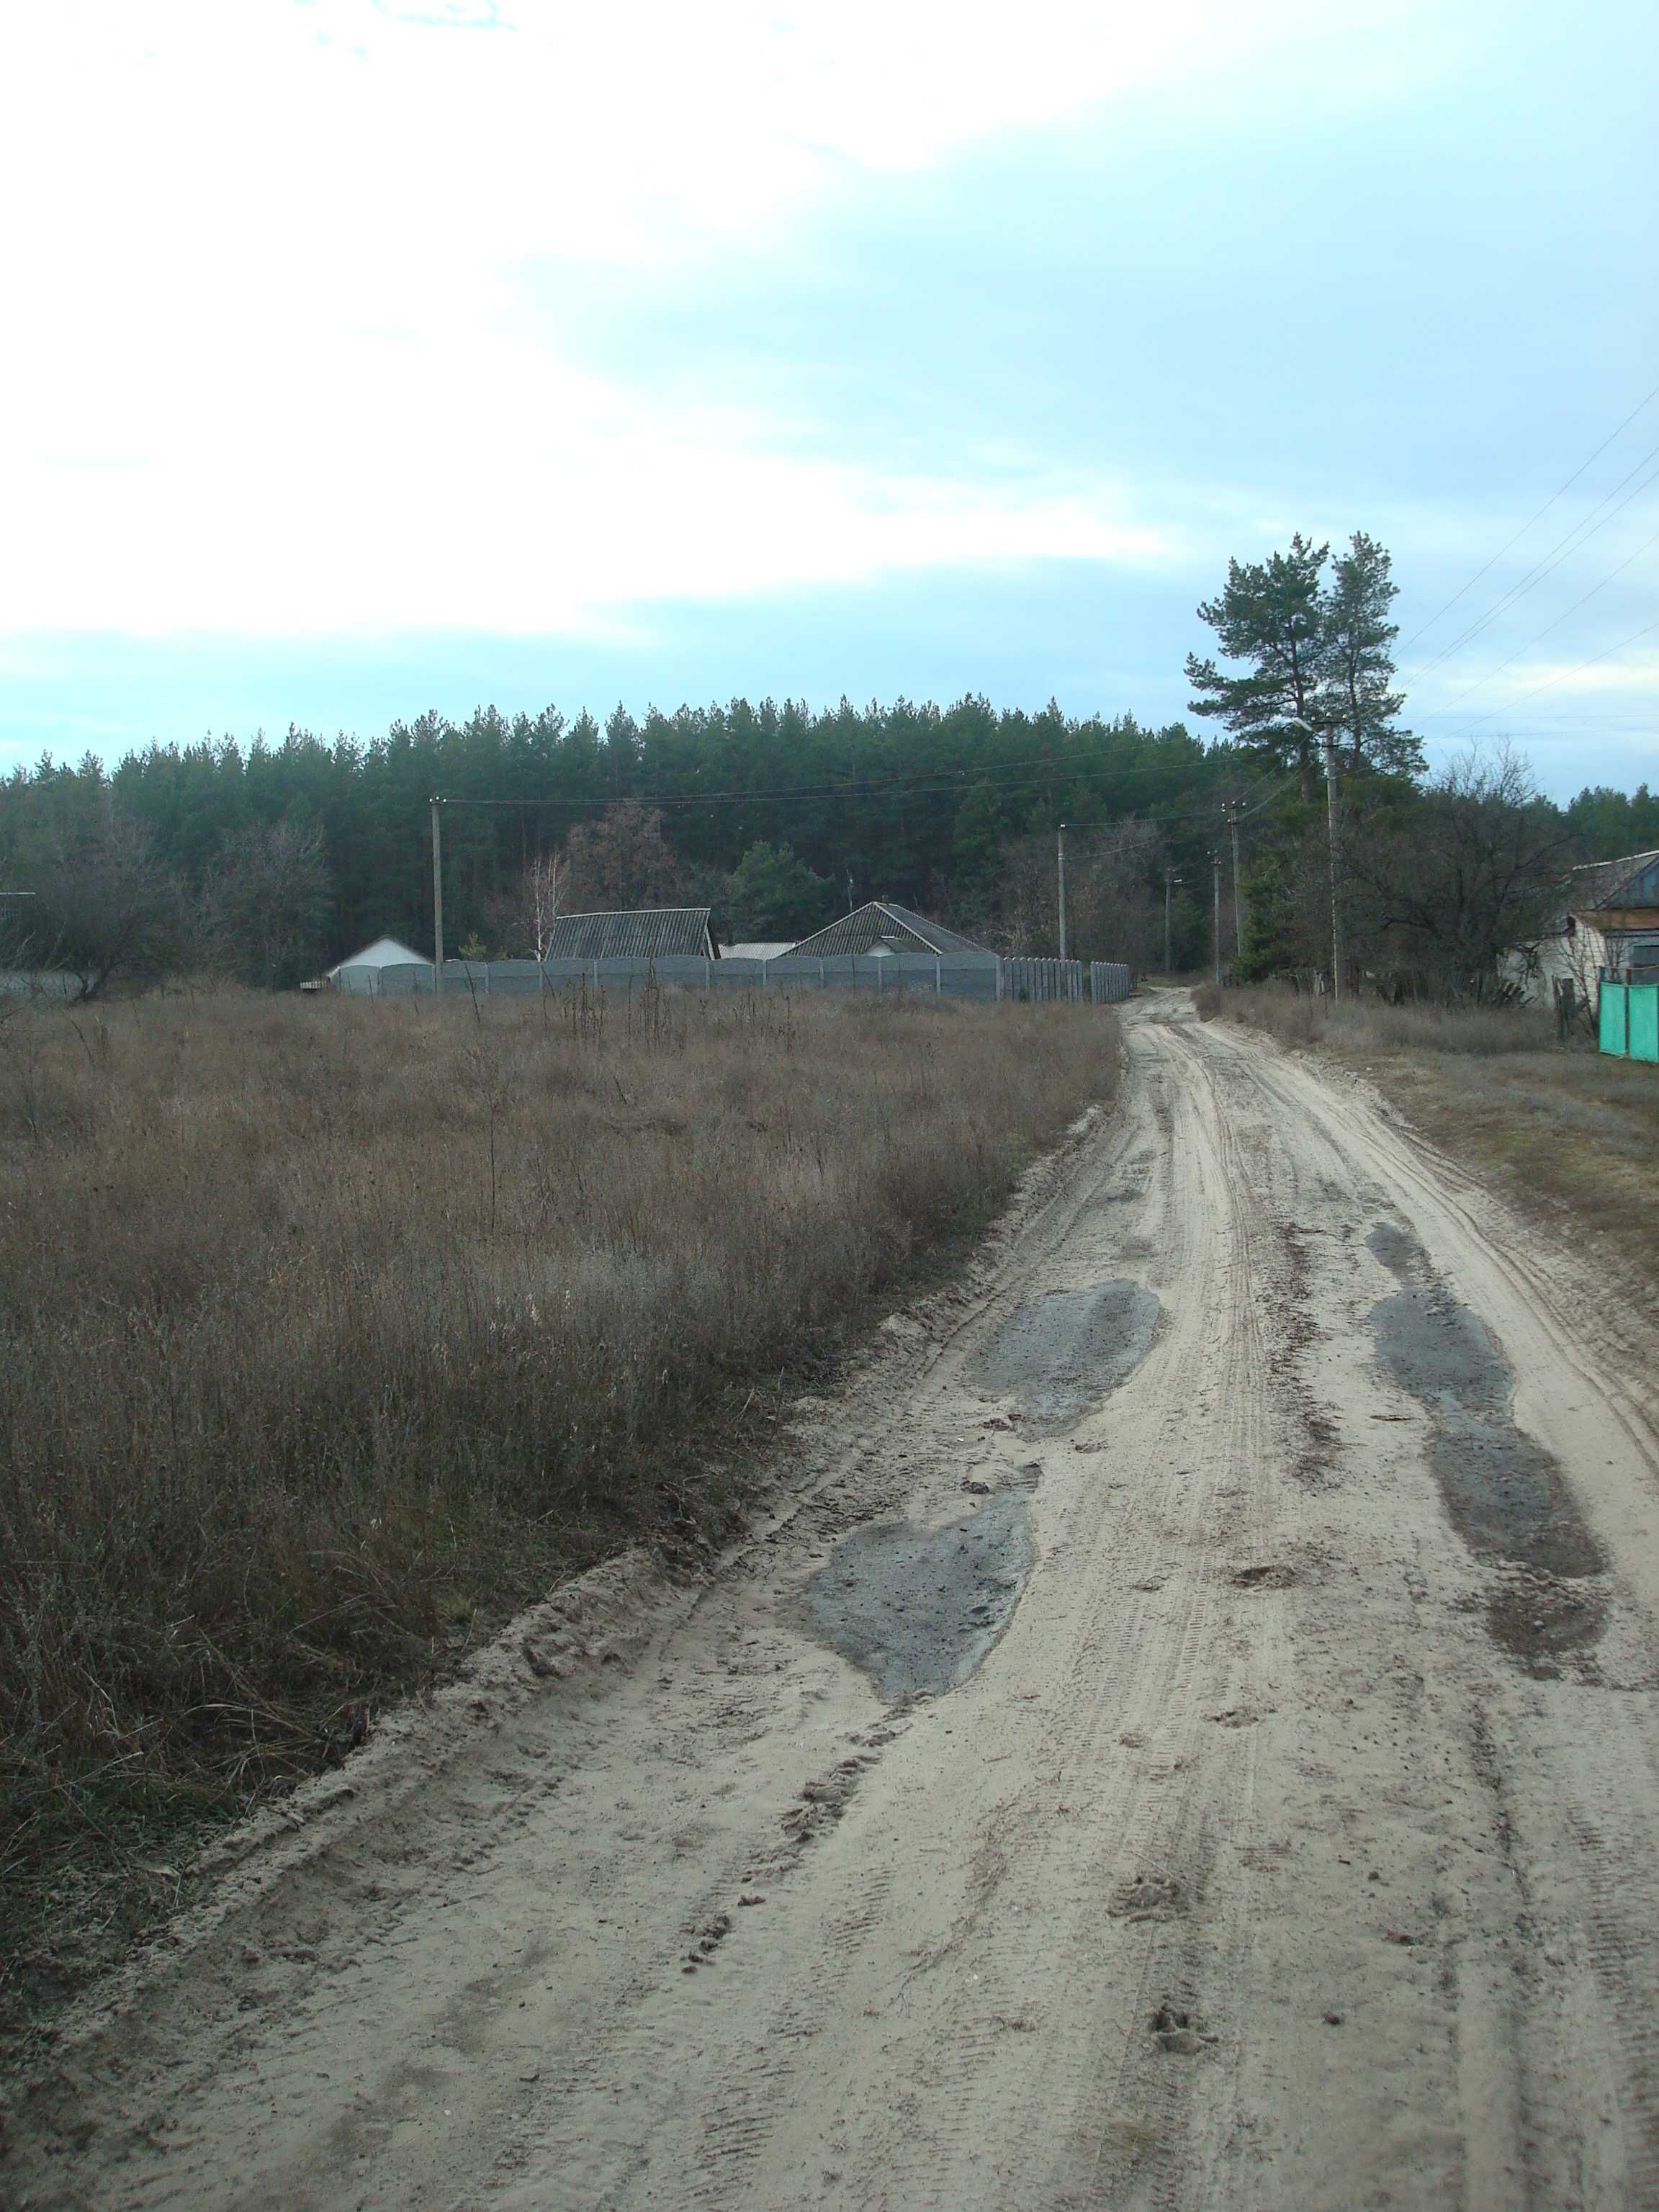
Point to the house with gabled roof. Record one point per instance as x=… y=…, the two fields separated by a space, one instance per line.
x=384 y=953
x=1608 y=923
x=883 y=929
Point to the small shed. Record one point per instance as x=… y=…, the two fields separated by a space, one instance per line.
x=662 y=932
x=882 y=928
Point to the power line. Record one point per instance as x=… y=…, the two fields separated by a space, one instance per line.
x=1527 y=526
x=1551 y=680
x=1578 y=536
x=1539 y=637
x=934 y=784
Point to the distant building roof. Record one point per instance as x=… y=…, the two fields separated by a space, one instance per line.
x=648 y=934
x=1633 y=881
x=767 y=948
x=881 y=927
x=384 y=953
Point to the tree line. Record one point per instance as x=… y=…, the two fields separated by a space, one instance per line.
x=267 y=861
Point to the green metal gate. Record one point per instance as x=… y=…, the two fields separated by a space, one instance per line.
x=1628 y=1023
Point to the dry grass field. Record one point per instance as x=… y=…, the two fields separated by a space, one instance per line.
x=1570 y=1137
x=333 y=1331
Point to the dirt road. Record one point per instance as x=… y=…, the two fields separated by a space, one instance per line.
x=1186 y=1738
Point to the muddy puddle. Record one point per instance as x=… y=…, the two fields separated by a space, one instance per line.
x=1060 y=1354
x=1506 y=1493
x=917 y=1608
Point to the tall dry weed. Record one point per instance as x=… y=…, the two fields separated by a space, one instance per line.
x=1365 y=1024
x=332 y=1329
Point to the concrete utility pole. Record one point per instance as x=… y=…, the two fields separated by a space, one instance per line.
x=437 y=902
x=1333 y=833
x=1060 y=864
x=1215 y=874
x=1232 y=810
x=1334 y=842
x=1170 y=879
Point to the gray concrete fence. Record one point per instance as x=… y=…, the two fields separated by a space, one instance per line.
x=986 y=979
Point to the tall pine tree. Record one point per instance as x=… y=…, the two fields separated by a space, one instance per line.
x=1359 y=666
x=1272 y=614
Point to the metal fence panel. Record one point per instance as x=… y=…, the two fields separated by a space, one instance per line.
x=42 y=983
x=1612 y=1019
x=1643 y=1021
x=923 y=974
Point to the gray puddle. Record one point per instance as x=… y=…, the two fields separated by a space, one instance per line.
x=1059 y=1354
x=1505 y=1493
x=917 y=1609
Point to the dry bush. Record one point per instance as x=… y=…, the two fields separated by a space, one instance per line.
x=333 y=1329
x=1363 y=1025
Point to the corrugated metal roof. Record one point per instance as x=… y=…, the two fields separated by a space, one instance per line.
x=881 y=923
x=1633 y=881
x=647 y=933
x=757 y=948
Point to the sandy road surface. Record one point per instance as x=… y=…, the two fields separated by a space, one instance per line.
x=1295 y=1843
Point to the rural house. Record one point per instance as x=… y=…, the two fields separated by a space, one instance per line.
x=384 y=953
x=881 y=930
x=1609 y=919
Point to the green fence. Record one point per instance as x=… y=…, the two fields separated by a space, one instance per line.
x=1629 y=1022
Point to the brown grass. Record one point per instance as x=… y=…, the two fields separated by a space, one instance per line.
x=333 y=1331
x=1569 y=1136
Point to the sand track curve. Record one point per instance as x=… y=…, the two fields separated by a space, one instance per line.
x=1292 y=1840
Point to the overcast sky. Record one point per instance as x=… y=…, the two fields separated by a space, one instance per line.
x=364 y=356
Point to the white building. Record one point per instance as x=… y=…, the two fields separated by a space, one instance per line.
x=384 y=953
x=1609 y=920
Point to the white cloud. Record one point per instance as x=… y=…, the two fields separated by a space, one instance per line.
x=492 y=490
x=265 y=379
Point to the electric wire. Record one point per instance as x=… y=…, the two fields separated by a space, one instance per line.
x=1555 y=495
x=1550 y=681
x=928 y=784
x=1578 y=536
x=1481 y=680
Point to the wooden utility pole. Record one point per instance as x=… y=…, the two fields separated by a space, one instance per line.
x=437 y=902
x=1061 y=865
x=1170 y=879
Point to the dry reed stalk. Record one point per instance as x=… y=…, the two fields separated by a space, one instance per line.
x=333 y=1330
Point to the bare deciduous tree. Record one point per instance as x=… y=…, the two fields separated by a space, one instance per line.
x=263 y=915
x=523 y=921
x=1450 y=885
x=107 y=911
x=623 y=860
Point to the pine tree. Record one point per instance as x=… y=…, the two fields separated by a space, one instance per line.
x=1359 y=666
x=1272 y=614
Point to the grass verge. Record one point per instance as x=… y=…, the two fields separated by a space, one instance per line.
x=334 y=1331
x=1569 y=1136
